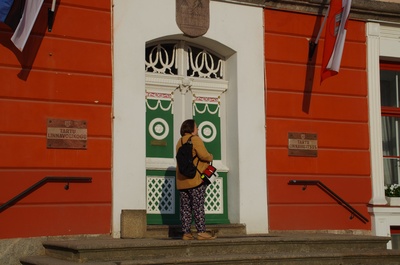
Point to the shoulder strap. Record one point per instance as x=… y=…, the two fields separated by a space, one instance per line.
x=198 y=160
x=187 y=140
x=195 y=156
x=190 y=139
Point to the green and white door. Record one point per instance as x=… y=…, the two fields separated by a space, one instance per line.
x=183 y=81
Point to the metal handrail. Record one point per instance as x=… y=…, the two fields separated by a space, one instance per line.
x=336 y=197
x=39 y=184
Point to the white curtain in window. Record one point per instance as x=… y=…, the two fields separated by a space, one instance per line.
x=387 y=135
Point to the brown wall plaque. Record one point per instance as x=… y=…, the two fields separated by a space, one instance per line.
x=158 y=143
x=302 y=144
x=68 y=134
x=193 y=16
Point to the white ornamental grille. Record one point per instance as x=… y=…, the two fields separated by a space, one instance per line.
x=204 y=64
x=161 y=195
x=164 y=58
x=214 y=203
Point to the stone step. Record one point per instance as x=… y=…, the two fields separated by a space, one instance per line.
x=174 y=231
x=261 y=249
x=45 y=260
x=386 y=257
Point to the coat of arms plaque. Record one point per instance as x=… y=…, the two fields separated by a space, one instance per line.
x=193 y=17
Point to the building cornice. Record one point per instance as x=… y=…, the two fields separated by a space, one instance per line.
x=360 y=9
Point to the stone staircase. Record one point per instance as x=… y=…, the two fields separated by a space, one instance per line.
x=163 y=246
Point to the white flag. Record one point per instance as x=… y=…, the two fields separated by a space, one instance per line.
x=335 y=36
x=21 y=34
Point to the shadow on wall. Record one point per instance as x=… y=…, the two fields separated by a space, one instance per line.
x=311 y=64
x=26 y=58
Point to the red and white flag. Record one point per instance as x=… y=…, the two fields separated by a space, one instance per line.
x=25 y=25
x=335 y=35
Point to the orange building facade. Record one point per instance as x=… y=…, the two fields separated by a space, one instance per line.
x=65 y=74
x=336 y=110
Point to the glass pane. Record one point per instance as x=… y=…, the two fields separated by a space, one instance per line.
x=390 y=135
x=389 y=88
x=391 y=170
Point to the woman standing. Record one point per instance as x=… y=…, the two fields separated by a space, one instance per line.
x=192 y=190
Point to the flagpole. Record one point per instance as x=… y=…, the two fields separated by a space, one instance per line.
x=50 y=14
x=53 y=6
x=313 y=45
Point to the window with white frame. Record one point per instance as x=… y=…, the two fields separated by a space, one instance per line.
x=390 y=107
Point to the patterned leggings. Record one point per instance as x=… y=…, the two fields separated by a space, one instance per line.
x=192 y=201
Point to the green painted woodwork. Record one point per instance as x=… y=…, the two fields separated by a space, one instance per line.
x=209 y=123
x=159 y=129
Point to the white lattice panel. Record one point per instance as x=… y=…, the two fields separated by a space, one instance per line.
x=161 y=195
x=214 y=203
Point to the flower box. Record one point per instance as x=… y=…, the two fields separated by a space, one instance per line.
x=393 y=201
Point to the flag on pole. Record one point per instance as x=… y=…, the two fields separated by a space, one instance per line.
x=29 y=15
x=312 y=45
x=335 y=35
x=20 y=16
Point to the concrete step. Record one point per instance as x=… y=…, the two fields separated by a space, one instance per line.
x=263 y=249
x=371 y=258
x=279 y=259
x=45 y=260
x=174 y=231
x=385 y=257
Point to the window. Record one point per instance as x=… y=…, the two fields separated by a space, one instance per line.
x=390 y=106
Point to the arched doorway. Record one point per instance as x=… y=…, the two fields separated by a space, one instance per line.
x=183 y=81
x=242 y=106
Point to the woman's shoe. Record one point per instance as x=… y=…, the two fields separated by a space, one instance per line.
x=187 y=236
x=205 y=236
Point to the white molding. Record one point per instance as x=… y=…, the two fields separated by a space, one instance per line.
x=153 y=163
x=164 y=82
x=390 y=32
x=382 y=219
x=375 y=127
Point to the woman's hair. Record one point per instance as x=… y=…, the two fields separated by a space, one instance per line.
x=187 y=127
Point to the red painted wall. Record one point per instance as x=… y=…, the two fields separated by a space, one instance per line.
x=63 y=74
x=335 y=110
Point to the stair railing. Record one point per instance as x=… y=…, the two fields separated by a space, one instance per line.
x=336 y=197
x=42 y=182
